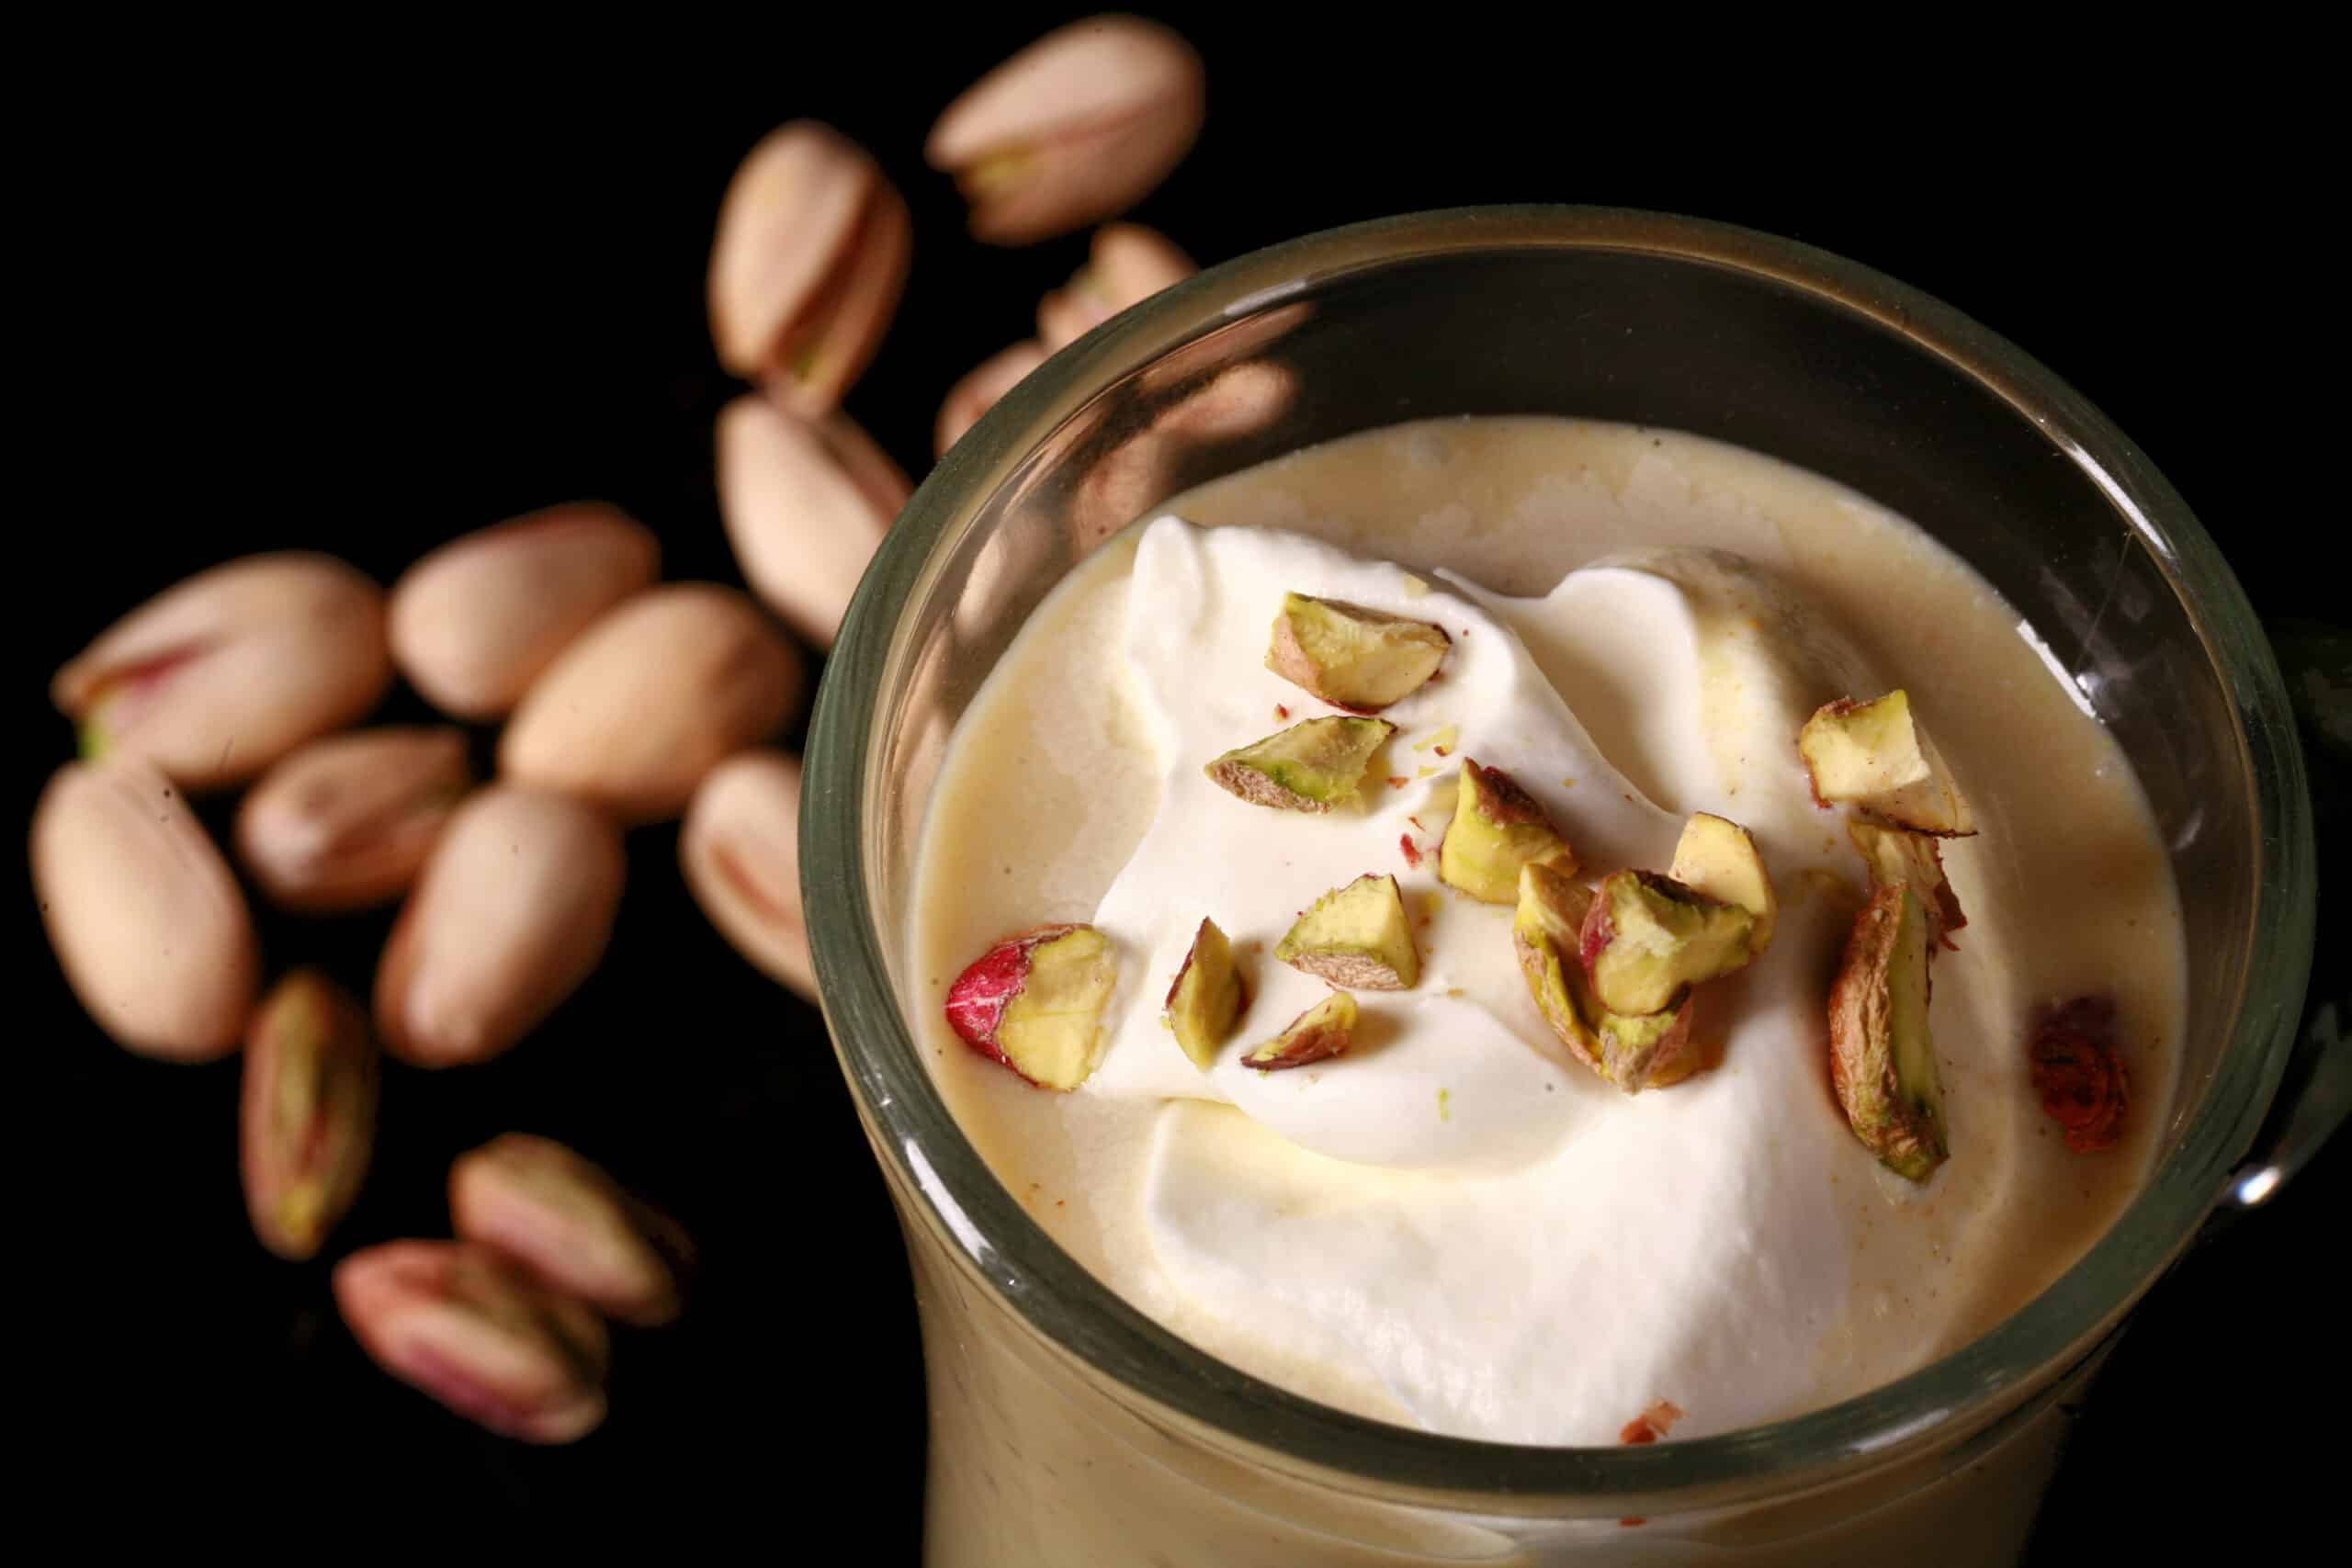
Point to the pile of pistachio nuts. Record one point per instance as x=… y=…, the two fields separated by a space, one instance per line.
x=624 y=700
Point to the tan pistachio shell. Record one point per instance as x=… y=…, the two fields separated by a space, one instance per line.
x=1078 y=127
x=478 y=619
x=808 y=265
x=511 y=912
x=216 y=678
x=804 y=505
x=346 y=822
x=147 y=922
x=650 y=698
x=740 y=852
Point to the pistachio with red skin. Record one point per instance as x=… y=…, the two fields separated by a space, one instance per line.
x=307 y=1120
x=1662 y=1417
x=1034 y=1003
x=1321 y=1033
x=460 y=1324
x=2079 y=1074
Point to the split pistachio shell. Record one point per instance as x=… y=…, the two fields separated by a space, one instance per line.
x=804 y=505
x=740 y=854
x=512 y=911
x=455 y=1322
x=1129 y=264
x=650 y=698
x=977 y=392
x=1077 y=127
x=565 y=1223
x=308 y=1119
x=147 y=921
x=347 y=822
x=477 y=621
x=808 y=265
x=214 y=679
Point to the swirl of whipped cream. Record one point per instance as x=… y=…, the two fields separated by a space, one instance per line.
x=1436 y=1208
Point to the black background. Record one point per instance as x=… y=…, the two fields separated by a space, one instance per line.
x=362 y=303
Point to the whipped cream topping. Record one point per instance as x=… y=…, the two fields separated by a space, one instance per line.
x=1438 y=1209
x=1724 y=1243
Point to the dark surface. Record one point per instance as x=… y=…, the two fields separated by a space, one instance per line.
x=365 y=318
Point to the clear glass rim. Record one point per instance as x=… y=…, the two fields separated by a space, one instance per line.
x=915 y=1132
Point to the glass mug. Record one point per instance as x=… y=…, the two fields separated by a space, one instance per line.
x=1068 y=1428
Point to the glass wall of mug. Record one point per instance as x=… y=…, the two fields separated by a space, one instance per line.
x=1069 y=1429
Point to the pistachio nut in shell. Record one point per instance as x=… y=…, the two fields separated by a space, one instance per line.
x=804 y=505
x=1078 y=127
x=1129 y=263
x=147 y=921
x=808 y=264
x=512 y=911
x=346 y=822
x=215 y=679
x=977 y=392
x=740 y=852
x=307 y=1117
x=459 y=1324
x=480 y=618
x=650 y=698
x=566 y=1224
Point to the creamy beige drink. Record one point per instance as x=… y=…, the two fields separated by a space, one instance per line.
x=1459 y=1225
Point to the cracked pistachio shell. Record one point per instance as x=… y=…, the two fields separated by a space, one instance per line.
x=740 y=852
x=804 y=505
x=478 y=619
x=306 y=1119
x=808 y=265
x=565 y=1223
x=215 y=679
x=650 y=698
x=510 y=914
x=457 y=1323
x=147 y=922
x=1076 y=128
x=346 y=822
